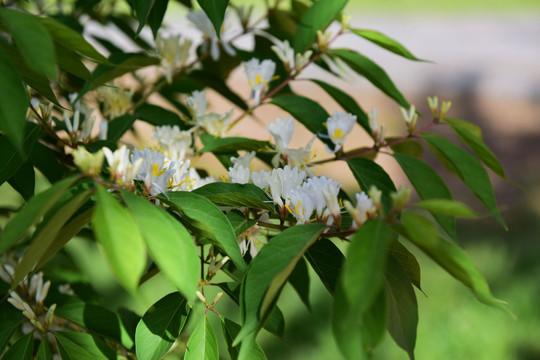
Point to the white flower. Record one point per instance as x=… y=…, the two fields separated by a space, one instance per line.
x=364 y=208
x=316 y=186
x=282 y=181
x=180 y=176
x=215 y=124
x=373 y=122
x=250 y=239
x=239 y=174
x=302 y=60
x=284 y=52
x=122 y=171
x=197 y=103
x=259 y=74
x=332 y=202
x=116 y=101
x=260 y=179
x=174 y=143
x=173 y=52
x=154 y=171
x=203 y=23
x=339 y=126
x=282 y=130
x=301 y=157
x=73 y=125
x=301 y=205
x=244 y=160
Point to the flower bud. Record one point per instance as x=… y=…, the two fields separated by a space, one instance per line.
x=89 y=163
x=401 y=197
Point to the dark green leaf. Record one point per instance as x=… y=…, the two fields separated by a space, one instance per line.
x=317 y=17
x=32 y=40
x=374 y=323
x=202 y=344
x=44 y=351
x=471 y=135
x=121 y=240
x=158 y=116
x=12 y=159
x=215 y=10
x=14 y=102
x=46 y=161
x=23 y=349
x=228 y=144
x=299 y=280
x=82 y=346
x=407 y=261
x=142 y=9
x=155 y=18
x=120 y=64
x=118 y=127
x=446 y=207
x=269 y=271
x=225 y=157
x=408 y=147
x=160 y=326
x=368 y=173
x=24 y=180
x=169 y=243
x=70 y=61
x=428 y=185
x=373 y=72
x=11 y=320
x=385 y=42
x=239 y=222
x=198 y=210
x=402 y=306
x=32 y=212
x=470 y=172
x=230 y=331
x=123 y=23
x=450 y=257
x=236 y=195
x=327 y=260
x=347 y=102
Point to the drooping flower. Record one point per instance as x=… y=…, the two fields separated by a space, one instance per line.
x=174 y=143
x=203 y=23
x=174 y=53
x=259 y=74
x=122 y=171
x=197 y=103
x=301 y=205
x=155 y=172
x=339 y=126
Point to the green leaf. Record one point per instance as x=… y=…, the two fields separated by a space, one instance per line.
x=408 y=147
x=160 y=326
x=23 y=349
x=142 y=9
x=12 y=159
x=45 y=234
x=118 y=127
x=446 y=207
x=428 y=185
x=168 y=242
x=198 y=210
x=14 y=102
x=118 y=65
x=228 y=144
x=450 y=257
x=269 y=271
x=155 y=18
x=202 y=344
x=236 y=195
x=158 y=116
x=46 y=161
x=471 y=135
x=308 y=112
x=223 y=157
x=368 y=173
x=385 y=42
x=121 y=241
x=347 y=102
x=317 y=17
x=230 y=331
x=327 y=260
x=374 y=323
x=239 y=222
x=11 y=321
x=299 y=279
x=406 y=260
x=32 y=40
x=24 y=180
x=74 y=345
x=32 y=212
x=402 y=306
x=44 y=351
x=372 y=72
x=215 y=10
x=97 y=320
x=70 y=61
x=469 y=171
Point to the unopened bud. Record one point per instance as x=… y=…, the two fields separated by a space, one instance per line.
x=89 y=163
x=410 y=117
x=322 y=39
x=201 y=297
x=375 y=196
x=217 y=298
x=345 y=19
x=433 y=103
x=401 y=197
x=49 y=317
x=445 y=106
x=37 y=325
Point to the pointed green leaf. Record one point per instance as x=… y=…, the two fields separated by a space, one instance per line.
x=299 y=279
x=228 y=144
x=155 y=18
x=120 y=238
x=385 y=42
x=158 y=116
x=206 y=217
x=373 y=72
x=317 y=17
x=23 y=349
x=82 y=346
x=236 y=195
x=409 y=147
x=11 y=321
x=12 y=159
x=160 y=326
x=446 y=207
x=368 y=173
x=118 y=127
x=142 y=9
x=215 y=10
x=471 y=135
x=202 y=344
x=374 y=323
x=70 y=61
x=32 y=40
x=230 y=331
x=44 y=351
x=450 y=257
x=168 y=242
x=327 y=260
x=428 y=185
x=239 y=222
x=470 y=172
x=406 y=260
x=24 y=180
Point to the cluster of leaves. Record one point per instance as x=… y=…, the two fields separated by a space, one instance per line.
x=47 y=58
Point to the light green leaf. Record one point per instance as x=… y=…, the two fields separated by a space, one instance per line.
x=317 y=17
x=269 y=271
x=446 y=207
x=230 y=331
x=120 y=238
x=385 y=42
x=14 y=102
x=160 y=326
x=228 y=144
x=236 y=195
x=201 y=214
x=32 y=39
x=327 y=260
x=44 y=351
x=450 y=257
x=202 y=344
x=215 y=10
x=471 y=135
x=32 y=212
x=169 y=243
x=373 y=72
x=469 y=171
x=23 y=349
x=428 y=185
x=74 y=345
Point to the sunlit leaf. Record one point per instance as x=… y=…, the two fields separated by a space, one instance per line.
x=385 y=42
x=75 y=345
x=446 y=207
x=236 y=195
x=202 y=344
x=22 y=349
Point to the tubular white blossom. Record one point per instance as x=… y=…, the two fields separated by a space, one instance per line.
x=215 y=124
x=373 y=122
x=302 y=60
x=116 y=101
x=260 y=179
x=301 y=157
x=316 y=186
x=364 y=208
x=244 y=160
x=339 y=126
x=284 y=52
x=118 y=161
x=282 y=181
x=154 y=172
x=239 y=174
x=301 y=205
x=330 y=195
x=259 y=74
x=197 y=103
x=282 y=130
x=173 y=52
x=174 y=143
